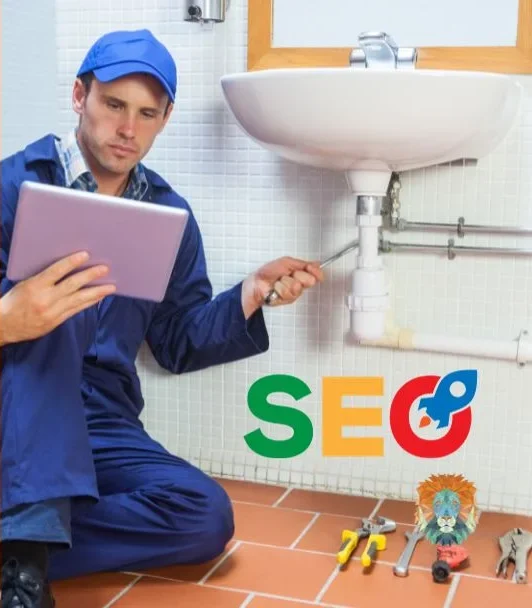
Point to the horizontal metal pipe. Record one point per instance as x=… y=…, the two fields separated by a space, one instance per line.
x=461 y=228
x=451 y=249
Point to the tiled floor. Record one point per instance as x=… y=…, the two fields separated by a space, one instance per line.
x=284 y=556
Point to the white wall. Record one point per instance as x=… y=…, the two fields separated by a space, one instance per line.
x=253 y=207
x=29 y=72
x=418 y=23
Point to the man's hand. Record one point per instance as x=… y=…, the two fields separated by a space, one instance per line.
x=36 y=306
x=288 y=276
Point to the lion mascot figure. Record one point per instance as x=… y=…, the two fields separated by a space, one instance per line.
x=446 y=509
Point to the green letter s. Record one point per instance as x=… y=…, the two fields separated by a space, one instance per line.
x=294 y=418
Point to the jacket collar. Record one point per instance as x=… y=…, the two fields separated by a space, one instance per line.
x=44 y=150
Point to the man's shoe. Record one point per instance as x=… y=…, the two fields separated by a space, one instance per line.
x=24 y=587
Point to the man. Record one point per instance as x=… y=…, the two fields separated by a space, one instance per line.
x=79 y=472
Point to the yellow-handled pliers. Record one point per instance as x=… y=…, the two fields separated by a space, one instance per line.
x=350 y=540
x=377 y=540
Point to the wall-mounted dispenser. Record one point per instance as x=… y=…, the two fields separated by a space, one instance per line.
x=206 y=11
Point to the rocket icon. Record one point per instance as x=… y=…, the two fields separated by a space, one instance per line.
x=440 y=406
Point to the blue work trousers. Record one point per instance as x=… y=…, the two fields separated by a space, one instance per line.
x=111 y=494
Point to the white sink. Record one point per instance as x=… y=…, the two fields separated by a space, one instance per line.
x=371 y=122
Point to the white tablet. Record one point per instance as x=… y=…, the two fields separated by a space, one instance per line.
x=139 y=241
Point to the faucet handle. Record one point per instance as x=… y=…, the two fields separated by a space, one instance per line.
x=379 y=50
x=369 y=38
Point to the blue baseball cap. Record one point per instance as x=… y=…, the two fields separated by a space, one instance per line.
x=121 y=53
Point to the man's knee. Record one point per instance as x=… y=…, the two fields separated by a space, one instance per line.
x=202 y=521
x=217 y=526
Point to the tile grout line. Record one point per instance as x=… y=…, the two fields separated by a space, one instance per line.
x=219 y=563
x=348 y=495
x=313 y=552
x=318 y=601
x=452 y=591
x=248 y=600
x=308 y=551
x=376 y=508
x=326 y=586
x=282 y=497
x=305 y=530
x=123 y=592
x=249 y=592
x=327 y=513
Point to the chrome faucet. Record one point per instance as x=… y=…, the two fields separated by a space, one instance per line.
x=379 y=50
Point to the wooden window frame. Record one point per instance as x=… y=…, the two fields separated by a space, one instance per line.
x=510 y=60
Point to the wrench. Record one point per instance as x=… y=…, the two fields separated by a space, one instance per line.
x=401 y=568
x=273 y=295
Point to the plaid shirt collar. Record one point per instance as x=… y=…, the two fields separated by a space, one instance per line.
x=78 y=175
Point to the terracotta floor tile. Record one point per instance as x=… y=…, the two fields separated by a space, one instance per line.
x=168 y=594
x=266 y=602
x=380 y=587
x=302 y=573
x=325 y=502
x=325 y=535
x=246 y=491
x=492 y=594
x=191 y=574
x=497 y=524
x=284 y=572
x=483 y=552
x=401 y=511
x=424 y=554
x=90 y=591
x=269 y=525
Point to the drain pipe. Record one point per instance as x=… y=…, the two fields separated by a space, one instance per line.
x=403 y=338
x=368 y=300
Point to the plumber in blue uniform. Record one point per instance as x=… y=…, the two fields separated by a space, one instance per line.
x=84 y=487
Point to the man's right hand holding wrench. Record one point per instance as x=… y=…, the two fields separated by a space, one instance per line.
x=273 y=295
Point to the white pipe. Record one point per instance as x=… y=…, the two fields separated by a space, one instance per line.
x=519 y=350
x=368 y=300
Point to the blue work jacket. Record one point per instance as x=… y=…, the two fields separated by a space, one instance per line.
x=189 y=330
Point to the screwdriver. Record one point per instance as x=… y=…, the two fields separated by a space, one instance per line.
x=273 y=295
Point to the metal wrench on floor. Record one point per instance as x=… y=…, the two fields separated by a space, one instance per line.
x=515 y=546
x=401 y=567
x=273 y=295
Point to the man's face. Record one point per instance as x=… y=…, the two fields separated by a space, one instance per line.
x=120 y=120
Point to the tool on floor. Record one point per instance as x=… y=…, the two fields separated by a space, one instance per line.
x=273 y=295
x=375 y=532
x=401 y=567
x=449 y=558
x=515 y=546
x=377 y=539
x=350 y=540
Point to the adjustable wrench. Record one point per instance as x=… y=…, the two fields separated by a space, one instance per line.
x=401 y=568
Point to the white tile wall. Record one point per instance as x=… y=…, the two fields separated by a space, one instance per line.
x=29 y=72
x=253 y=207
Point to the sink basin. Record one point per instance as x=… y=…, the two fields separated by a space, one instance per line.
x=370 y=122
